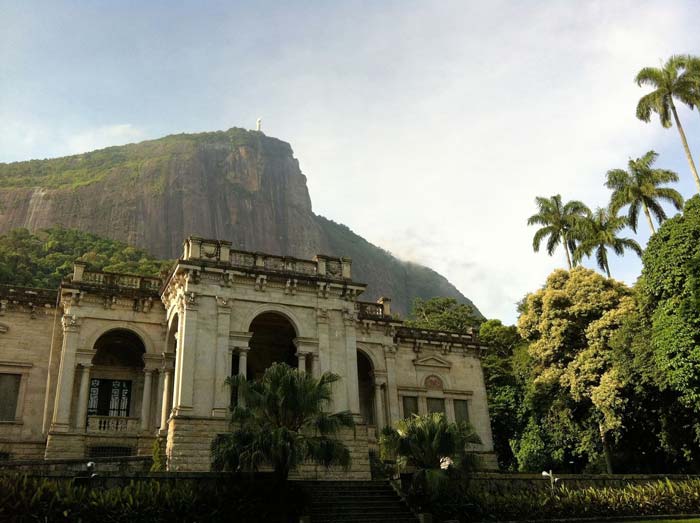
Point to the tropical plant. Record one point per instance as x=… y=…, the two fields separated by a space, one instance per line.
x=639 y=187
x=283 y=423
x=558 y=223
x=598 y=232
x=670 y=82
x=691 y=64
x=432 y=446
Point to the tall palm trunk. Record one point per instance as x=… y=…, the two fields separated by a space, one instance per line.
x=568 y=256
x=685 y=146
x=651 y=223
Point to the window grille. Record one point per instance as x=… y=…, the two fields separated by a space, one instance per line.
x=110 y=451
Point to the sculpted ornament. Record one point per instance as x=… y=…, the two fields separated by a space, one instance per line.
x=69 y=322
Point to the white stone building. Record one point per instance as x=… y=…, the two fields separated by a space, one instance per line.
x=110 y=362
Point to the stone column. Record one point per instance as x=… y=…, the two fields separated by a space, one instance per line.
x=66 y=375
x=301 y=361
x=392 y=391
x=222 y=360
x=243 y=362
x=186 y=354
x=315 y=365
x=146 y=400
x=351 y=383
x=83 y=397
x=379 y=406
x=165 y=407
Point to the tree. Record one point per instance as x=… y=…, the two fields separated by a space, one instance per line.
x=691 y=65
x=670 y=293
x=506 y=367
x=576 y=388
x=558 y=223
x=442 y=314
x=639 y=187
x=669 y=83
x=283 y=423
x=598 y=233
x=432 y=445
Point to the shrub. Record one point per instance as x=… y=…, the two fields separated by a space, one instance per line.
x=25 y=498
x=662 y=497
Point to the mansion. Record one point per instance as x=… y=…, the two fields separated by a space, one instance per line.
x=108 y=363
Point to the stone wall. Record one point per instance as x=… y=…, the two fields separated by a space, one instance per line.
x=26 y=332
x=71 y=467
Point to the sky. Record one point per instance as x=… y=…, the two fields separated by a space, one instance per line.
x=427 y=127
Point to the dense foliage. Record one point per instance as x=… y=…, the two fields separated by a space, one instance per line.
x=466 y=503
x=281 y=422
x=228 y=499
x=44 y=258
x=433 y=448
x=442 y=314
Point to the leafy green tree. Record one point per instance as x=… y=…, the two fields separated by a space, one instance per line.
x=283 y=423
x=670 y=293
x=44 y=258
x=442 y=314
x=506 y=368
x=638 y=187
x=558 y=223
x=575 y=391
x=598 y=232
x=670 y=82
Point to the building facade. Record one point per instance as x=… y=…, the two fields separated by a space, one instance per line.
x=111 y=362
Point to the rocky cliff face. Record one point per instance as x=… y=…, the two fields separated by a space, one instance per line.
x=237 y=185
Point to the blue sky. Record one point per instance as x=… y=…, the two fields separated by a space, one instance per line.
x=427 y=127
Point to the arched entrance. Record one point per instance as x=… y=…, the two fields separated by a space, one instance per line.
x=272 y=342
x=365 y=381
x=116 y=374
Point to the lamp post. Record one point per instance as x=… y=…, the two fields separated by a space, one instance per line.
x=552 y=478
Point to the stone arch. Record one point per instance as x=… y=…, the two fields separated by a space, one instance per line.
x=247 y=319
x=123 y=325
x=365 y=386
x=116 y=376
x=272 y=341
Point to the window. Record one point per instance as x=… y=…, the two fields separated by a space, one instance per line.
x=436 y=405
x=109 y=397
x=9 y=392
x=461 y=410
x=410 y=406
x=110 y=452
x=4 y=456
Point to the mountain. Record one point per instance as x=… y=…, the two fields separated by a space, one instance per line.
x=236 y=185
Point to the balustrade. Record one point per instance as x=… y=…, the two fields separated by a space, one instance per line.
x=102 y=424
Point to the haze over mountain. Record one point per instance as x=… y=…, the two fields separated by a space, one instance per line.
x=236 y=185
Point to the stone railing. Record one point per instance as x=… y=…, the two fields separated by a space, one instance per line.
x=221 y=253
x=103 y=424
x=381 y=310
x=114 y=280
x=369 y=310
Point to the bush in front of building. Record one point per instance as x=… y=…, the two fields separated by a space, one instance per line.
x=460 y=501
x=25 y=498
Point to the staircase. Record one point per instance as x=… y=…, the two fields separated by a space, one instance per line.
x=356 y=501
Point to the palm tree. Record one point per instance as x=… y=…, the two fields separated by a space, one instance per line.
x=639 y=187
x=283 y=424
x=598 y=233
x=669 y=82
x=558 y=223
x=691 y=65
x=432 y=446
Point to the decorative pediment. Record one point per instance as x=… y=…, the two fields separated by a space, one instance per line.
x=432 y=361
x=4 y=328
